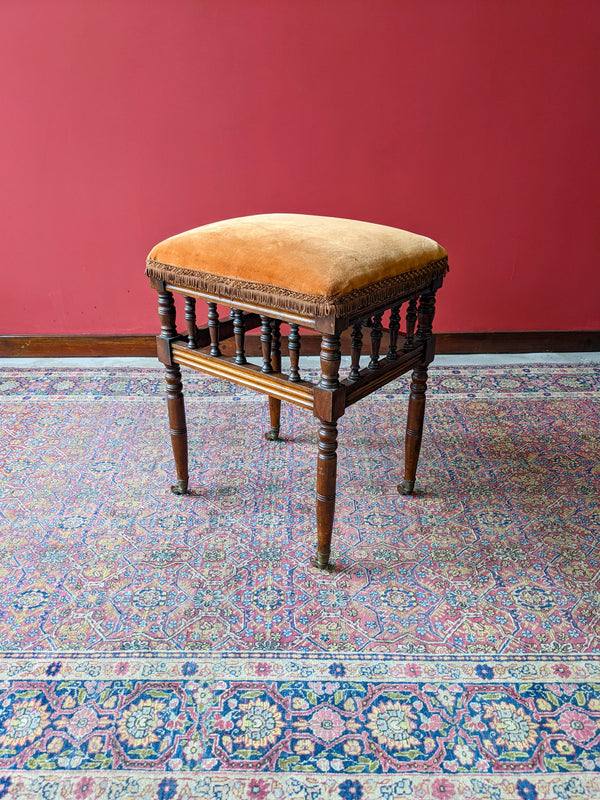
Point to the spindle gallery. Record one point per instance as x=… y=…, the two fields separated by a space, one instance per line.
x=323 y=274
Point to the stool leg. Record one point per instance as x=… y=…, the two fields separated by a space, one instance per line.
x=178 y=427
x=327 y=409
x=274 y=402
x=418 y=387
x=414 y=428
x=275 y=414
x=326 y=479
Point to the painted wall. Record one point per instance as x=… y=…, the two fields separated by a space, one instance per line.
x=125 y=121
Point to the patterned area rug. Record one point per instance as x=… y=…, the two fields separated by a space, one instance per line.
x=170 y=648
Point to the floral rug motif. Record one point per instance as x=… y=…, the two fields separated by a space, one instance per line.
x=171 y=648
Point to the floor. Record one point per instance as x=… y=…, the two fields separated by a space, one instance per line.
x=461 y=622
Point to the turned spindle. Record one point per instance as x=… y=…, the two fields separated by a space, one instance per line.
x=274 y=402
x=239 y=332
x=166 y=314
x=425 y=314
x=190 y=320
x=376 y=334
x=330 y=361
x=265 y=343
x=213 y=329
x=355 y=351
x=394 y=328
x=411 y=319
x=294 y=351
x=276 y=345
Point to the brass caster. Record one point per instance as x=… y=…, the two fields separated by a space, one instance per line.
x=408 y=487
x=273 y=435
x=321 y=561
x=180 y=488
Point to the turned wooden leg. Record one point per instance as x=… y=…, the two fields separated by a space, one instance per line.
x=168 y=333
x=418 y=386
x=326 y=477
x=178 y=427
x=327 y=408
x=274 y=402
x=414 y=428
x=275 y=414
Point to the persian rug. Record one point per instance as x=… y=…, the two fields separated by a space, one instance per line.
x=163 y=647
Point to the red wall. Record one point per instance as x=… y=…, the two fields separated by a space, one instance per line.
x=476 y=122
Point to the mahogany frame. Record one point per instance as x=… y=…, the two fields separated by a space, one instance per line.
x=198 y=348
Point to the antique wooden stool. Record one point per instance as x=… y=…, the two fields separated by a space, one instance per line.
x=321 y=273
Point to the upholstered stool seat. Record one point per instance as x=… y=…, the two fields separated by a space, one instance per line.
x=303 y=263
x=320 y=273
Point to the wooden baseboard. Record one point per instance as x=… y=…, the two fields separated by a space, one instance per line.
x=518 y=342
x=82 y=346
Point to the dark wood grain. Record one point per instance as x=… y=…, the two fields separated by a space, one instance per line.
x=376 y=335
x=213 y=328
x=274 y=402
x=249 y=375
x=265 y=342
x=394 y=327
x=178 y=428
x=418 y=388
x=425 y=315
x=175 y=402
x=276 y=345
x=518 y=342
x=411 y=321
x=330 y=361
x=239 y=332
x=166 y=314
x=293 y=346
x=327 y=410
x=414 y=428
x=190 y=319
x=356 y=339
x=369 y=380
x=326 y=480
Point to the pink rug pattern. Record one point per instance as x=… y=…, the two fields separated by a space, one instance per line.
x=172 y=647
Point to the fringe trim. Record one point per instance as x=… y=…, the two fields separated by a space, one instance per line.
x=275 y=297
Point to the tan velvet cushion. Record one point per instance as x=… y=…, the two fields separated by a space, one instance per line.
x=324 y=259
